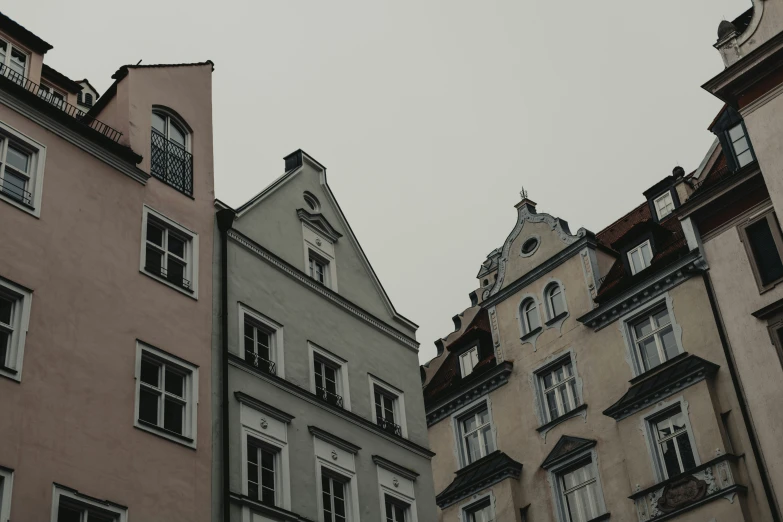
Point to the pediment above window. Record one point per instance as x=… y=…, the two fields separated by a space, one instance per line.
x=565 y=448
x=319 y=223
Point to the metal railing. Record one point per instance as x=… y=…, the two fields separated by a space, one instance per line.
x=389 y=426
x=71 y=110
x=331 y=398
x=164 y=273
x=16 y=192
x=259 y=362
x=171 y=163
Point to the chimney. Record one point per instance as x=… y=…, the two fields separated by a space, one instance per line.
x=293 y=160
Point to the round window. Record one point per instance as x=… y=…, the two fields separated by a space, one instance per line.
x=529 y=246
x=312 y=202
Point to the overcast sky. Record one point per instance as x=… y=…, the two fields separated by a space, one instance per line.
x=429 y=114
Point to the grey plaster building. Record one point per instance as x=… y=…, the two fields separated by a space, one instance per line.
x=317 y=382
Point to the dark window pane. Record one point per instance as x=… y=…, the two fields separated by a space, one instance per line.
x=176 y=272
x=765 y=252
x=268 y=460
x=68 y=514
x=4 y=339
x=154 y=234
x=100 y=517
x=6 y=307
x=338 y=490
x=175 y=383
x=339 y=507
x=173 y=413
x=148 y=406
x=176 y=246
x=670 y=458
x=154 y=261
x=686 y=453
x=149 y=372
x=252 y=490
x=388 y=511
x=268 y=496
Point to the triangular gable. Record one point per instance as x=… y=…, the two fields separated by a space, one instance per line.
x=319 y=223
x=295 y=165
x=566 y=447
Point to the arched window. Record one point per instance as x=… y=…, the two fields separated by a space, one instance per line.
x=555 y=300
x=529 y=316
x=171 y=161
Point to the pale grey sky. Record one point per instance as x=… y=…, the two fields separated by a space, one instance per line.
x=429 y=114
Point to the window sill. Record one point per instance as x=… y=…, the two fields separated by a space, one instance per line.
x=10 y=373
x=186 y=291
x=564 y=417
x=556 y=318
x=531 y=334
x=24 y=207
x=166 y=434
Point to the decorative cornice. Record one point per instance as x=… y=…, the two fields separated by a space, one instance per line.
x=327 y=293
x=395 y=468
x=565 y=448
x=489 y=382
x=334 y=440
x=307 y=396
x=479 y=475
x=320 y=224
x=263 y=407
x=645 y=291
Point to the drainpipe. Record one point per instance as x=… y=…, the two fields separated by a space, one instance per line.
x=225 y=219
x=773 y=507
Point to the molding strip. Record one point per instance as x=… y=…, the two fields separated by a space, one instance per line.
x=334 y=440
x=263 y=407
x=395 y=468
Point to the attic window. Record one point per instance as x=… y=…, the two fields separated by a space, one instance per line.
x=312 y=201
x=529 y=246
x=639 y=258
x=741 y=145
x=664 y=205
x=468 y=361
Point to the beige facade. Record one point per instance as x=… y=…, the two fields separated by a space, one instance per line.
x=88 y=314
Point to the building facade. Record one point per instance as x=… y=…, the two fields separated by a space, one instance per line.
x=322 y=412
x=105 y=291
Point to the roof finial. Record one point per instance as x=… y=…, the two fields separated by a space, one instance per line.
x=523 y=193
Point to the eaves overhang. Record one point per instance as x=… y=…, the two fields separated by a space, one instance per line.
x=645 y=291
x=699 y=199
x=485 y=472
x=488 y=382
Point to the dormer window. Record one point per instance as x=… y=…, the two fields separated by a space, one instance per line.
x=468 y=361
x=664 y=205
x=171 y=161
x=740 y=145
x=639 y=258
x=13 y=62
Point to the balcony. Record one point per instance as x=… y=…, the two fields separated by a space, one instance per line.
x=71 y=110
x=668 y=499
x=389 y=427
x=14 y=191
x=329 y=397
x=259 y=362
x=171 y=163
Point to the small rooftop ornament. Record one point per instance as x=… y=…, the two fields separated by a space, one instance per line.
x=523 y=193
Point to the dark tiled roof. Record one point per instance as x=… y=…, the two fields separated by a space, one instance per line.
x=616 y=230
x=25 y=36
x=479 y=475
x=663 y=382
x=123 y=71
x=743 y=21
x=566 y=447
x=60 y=79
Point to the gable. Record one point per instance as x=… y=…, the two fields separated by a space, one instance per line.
x=565 y=448
x=282 y=220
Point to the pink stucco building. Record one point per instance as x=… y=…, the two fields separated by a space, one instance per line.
x=105 y=291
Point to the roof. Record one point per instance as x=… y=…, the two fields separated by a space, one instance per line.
x=24 y=36
x=566 y=447
x=479 y=475
x=60 y=79
x=90 y=85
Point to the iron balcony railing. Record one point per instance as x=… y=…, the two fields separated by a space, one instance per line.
x=16 y=192
x=171 y=163
x=389 y=426
x=71 y=110
x=331 y=398
x=171 y=278
x=259 y=362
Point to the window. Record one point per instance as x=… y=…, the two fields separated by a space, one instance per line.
x=558 y=387
x=6 y=485
x=653 y=338
x=395 y=510
x=258 y=346
x=478 y=441
x=319 y=268
x=673 y=447
x=333 y=491
x=171 y=161
x=14 y=320
x=13 y=62
x=166 y=394
x=326 y=381
x=530 y=246
x=530 y=320
x=261 y=471
x=640 y=257
x=481 y=512
x=385 y=407
x=170 y=252
x=21 y=170
x=72 y=506
x=312 y=201
x=764 y=244
x=88 y=99
x=664 y=205
x=52 y=95
x=741 y=145
x=555 y=301
x=468 y=361
x=581 y=498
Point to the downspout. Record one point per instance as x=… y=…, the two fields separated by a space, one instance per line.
x=225 y=219
x=741 y=399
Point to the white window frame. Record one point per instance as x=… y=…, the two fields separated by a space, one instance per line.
x=6 y=493
x=664 y=204
x=191 y=251
x=659 y=468
x=550 y=309
x=639 y=248
x=337 y=460
x=314 y=260
x=556 y=482
x=341 y=366
x=73 y=496
x=170 y=118
x=10 y=47
x=572 y=390
x=35 y=181
x=524 y=323
x=272 y=327
x=734 y=142
x=399 y=402
x=399 y=487
x=468 y=360
x=319 y=247
x=394 y=500
x=456 y=422
x=627 y=322
x=474 y=504
x=20 y=319
x=281 y=459
x=190 y=423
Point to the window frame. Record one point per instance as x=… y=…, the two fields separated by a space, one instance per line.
x=628 y=321
x=6 y=493
x=774 y=226
x=281 y=461
x=21 y=299
x=394 y=501
x=48 y=92
x=35 y=174
x=732 y=142
x=398 y=397
x=316 y=352
x=524 y=324
x=639 y=248
x=13 y=46
x=73 y=496
x=459 y=417
x=574 y=391
x=313 y=260
x=551 y=317
x=316 y=245
x=462 y=358
x=190 y=390
x=650 y=419
x=339 y=461
x=670 y=206
x=191 y=251
x=468 y=510
x=274 y=329
x=578 y=462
